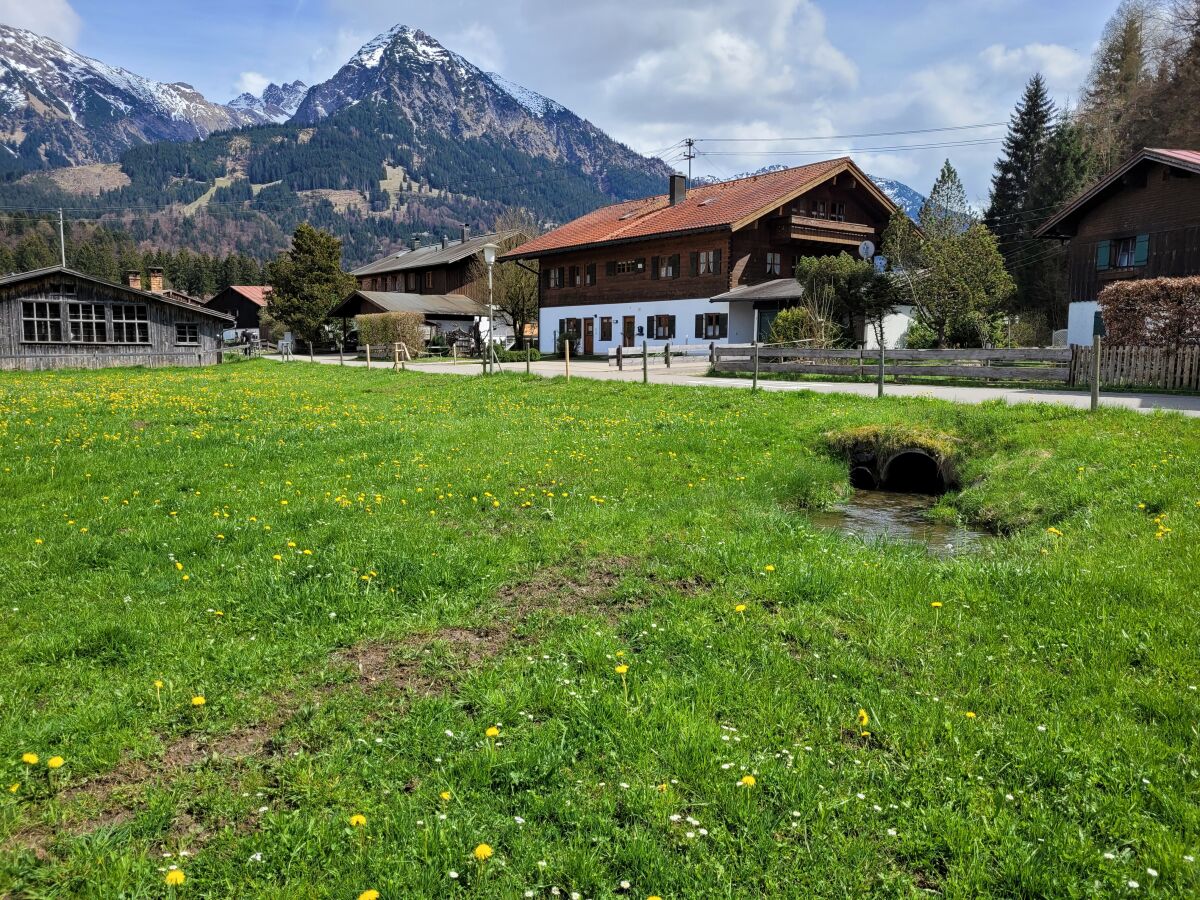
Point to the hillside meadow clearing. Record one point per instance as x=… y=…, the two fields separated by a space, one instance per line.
x=297 y=631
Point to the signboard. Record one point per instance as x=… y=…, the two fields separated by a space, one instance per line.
x=881 y=264
x=866 y=249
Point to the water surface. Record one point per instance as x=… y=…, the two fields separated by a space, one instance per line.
x=871 y=515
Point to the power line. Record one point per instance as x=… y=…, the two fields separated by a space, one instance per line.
x=895 y=148
x=839 y=137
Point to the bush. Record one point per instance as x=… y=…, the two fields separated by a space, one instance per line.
x=512 y=356
x=385 y=329
x=1152 y=312
x=807 y=323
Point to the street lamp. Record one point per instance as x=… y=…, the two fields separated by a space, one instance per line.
x=489 y=257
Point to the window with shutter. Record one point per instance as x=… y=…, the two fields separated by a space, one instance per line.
x=1102 y=251
x=724 y=326
x=694 y=264
x=610 y=268
x=674 y=263
x=591 y=273
x=1141 y=250
x=670 y=327
x=654 y=272
x=699 y=325
x=716 y=262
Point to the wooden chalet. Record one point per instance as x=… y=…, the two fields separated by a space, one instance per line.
x=1142 y=220
x=650 y=269
x=244 y=302
x=58 y=318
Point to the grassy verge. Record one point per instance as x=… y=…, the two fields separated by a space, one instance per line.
x=361 y=573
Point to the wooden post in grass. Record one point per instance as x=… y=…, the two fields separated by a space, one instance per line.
x=645 y=364
x=754 y=384
x=882 y=363
x=1095 y=372
x=528 y=356
x=667 y=355
x=368 y=356
x=341 y=352
x=620 y=358
x=567 y=357
x=712 y=354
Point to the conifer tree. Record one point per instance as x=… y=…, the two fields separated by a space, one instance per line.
x=1008 y=214
x=945 y=211
x=308 y=282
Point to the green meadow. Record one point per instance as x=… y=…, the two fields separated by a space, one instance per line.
x=303 y=631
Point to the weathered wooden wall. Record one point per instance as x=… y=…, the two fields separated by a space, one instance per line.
x=160 y=350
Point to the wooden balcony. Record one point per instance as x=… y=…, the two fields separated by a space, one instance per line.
x=807 y=228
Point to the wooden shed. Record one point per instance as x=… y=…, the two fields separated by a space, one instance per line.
x=57 y=318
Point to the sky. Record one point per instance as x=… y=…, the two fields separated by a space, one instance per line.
x=653 y=73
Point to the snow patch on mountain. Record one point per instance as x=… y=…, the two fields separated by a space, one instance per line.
x=901 y=194
x=533 y=102
x=277 y=102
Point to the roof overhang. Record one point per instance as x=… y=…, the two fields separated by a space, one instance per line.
x=1061 y=224
x=777 y=290
x=436 y=306
x=847 y=165
x=616 y=242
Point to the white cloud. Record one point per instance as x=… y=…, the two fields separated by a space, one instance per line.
x=1061 y=66
x=53 y=18
x=252 y=83
x=478 y=43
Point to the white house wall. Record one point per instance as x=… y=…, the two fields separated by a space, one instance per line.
x=1081 y=321
x=685 y=312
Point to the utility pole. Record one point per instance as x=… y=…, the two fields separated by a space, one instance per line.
x=62 y=242
x=689 y=154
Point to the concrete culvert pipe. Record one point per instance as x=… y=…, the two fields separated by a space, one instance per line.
x=863 y=479
x=913 y=472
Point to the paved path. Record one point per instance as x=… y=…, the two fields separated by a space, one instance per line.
x=692 y=373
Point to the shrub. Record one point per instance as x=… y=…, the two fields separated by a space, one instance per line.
x=1152 y=312
x=512 y=356
x=810 y=323
x=385 y=329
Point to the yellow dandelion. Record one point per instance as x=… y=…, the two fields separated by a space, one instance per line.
x=970 y=715
x=55 y=762
x=768 y=568
x=748 y=781
x=492 y=731
x=483 y=852
x=936 y=604
x=175 y=877
x=863 y=718
x=621 y=669
x=30 y=759
x=14 y=787
x=369 y=895
x=198 y=700
x=358 y=820
x=740 y=608
x=179 y=566
x=158 y=684
x=445 y=795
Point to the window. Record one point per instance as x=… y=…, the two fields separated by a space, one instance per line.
x=774 y=263
x=1123 y=253
x=429 y=280
x=660 y=328
x=554 y=278
x=605 y=328
x=837 y=212
x=819 y=209
x=664 y=267
x=187 y=333
x=630 y=266
x=130 y=323
x=712 y=326
x=88 y=324
x=63 y=288
x=42 y=322
x=575 y=281
x=590 y=274
x=709 y=262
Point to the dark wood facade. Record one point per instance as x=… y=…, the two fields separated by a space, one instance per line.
x=707 y=262
x=1142 y=222
x=233 y=302
x=57 y=318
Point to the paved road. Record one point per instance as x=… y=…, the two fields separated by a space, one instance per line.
x=692 y=373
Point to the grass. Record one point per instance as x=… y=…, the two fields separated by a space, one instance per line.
x=361 y=572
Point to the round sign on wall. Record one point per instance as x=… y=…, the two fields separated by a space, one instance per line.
x=866 y=249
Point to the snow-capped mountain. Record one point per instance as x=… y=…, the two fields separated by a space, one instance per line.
x=278 y=103
x=58 y=107
x=901 y=194
x=435 y=88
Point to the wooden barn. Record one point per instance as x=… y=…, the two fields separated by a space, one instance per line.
x=57 y=318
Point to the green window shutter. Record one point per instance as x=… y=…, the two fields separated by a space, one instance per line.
x=649 y=327
x=724 y=332
x=716 y=263
x=1102 y=253
x=699 y=325
x=675 y=268
x=1141 y=252
x=670 y=327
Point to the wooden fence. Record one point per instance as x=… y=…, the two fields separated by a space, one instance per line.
x=106 y=360
x=1165 y=368
x=997 y=365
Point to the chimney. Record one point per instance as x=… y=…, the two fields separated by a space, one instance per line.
x=133 y=278
x=445 y=241
x=156 y=280
x=678 y=189
x=466 y=232
x=416 y=242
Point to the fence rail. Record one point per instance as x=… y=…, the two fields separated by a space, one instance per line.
x=1031 y=364
x=619 y=356
x=86 y=360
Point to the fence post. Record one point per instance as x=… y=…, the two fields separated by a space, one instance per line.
x=712 y=354
x=567 y=357
x=342 y=352
x=667 y=355
x=754 y=384
x=395 y=357
x=1095 y=372
x=368 y=356
x=620 y=357
x=528 y=354
x=645 y=364
x=879 y=389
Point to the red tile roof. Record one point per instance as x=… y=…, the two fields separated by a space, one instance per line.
x=727 y=204
x=1187 y=157
x=255 y=294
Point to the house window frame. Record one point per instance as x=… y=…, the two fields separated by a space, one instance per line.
x=712 y=326
x=707 y=262
x=774 y=263
x=662 y=328
x=606 y=328
x=195 y=330
x=589 y=275
x=1123 y=252
x=78 y=323
x=554 y=277
x=137 y=323
x=629 y=266
x=837 y=211
x=46 y=317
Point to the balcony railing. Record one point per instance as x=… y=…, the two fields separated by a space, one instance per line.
x=808 y=228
